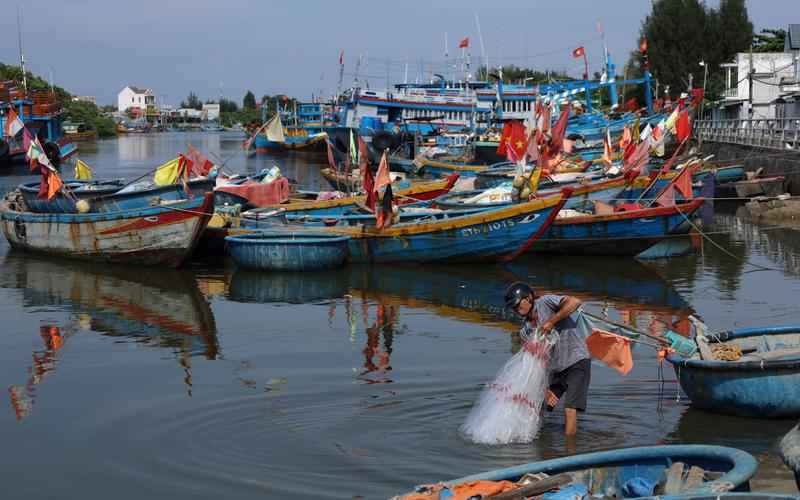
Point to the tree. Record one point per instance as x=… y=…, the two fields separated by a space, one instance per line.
x=769 y=40
x=192 y=102
x=227 y=106
x=249 y=101
x=681 y=33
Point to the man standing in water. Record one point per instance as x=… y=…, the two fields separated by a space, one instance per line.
x=570 y=363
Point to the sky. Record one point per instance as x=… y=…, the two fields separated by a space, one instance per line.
x=226 y=47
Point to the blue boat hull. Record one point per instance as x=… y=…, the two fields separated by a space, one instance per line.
x=618 y=236
x=62 y=204
x=763 y=389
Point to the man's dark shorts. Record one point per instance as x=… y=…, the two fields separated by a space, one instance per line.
x=572 y=385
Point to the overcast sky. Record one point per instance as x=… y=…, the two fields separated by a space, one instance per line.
x=96 y=47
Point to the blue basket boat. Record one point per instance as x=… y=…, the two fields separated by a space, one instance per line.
x=764 y=382
x=286 y=251
x=628 y=469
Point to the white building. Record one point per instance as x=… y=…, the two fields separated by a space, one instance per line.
x=135 y=97
x=210 y=112
x=788 y=103
x=768 y=70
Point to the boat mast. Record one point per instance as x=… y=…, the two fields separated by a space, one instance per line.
x=483 y=48
x=21 y=56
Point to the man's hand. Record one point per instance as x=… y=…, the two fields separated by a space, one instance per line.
x=550 y=398
x=546 y=327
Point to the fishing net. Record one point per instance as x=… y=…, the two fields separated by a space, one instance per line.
x=508 y=409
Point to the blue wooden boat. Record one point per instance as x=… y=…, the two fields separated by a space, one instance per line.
x=471 y=235
x=628 y=469
x=764 y=382
x=82 y=190
x=163 y=234
x=790 y=452
x=110 y=196
x=287 y=251
x=627 y=232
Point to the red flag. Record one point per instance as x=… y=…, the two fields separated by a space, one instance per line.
x=611 y=349
x=579 y=52
x=331 y=160
x=341 y=57
x=631 y=104
x=464 y=43
x=201 y=165
x=43 y=187
x=50 y=185
x=504 y=136
x=369 y=187
x=363 y=153
x=683 y=126
x=643 y=45
x=515 y=141
x=382 y=178
x=559 y=131
x=638 y=157
x=683 y=182
x=607 y=152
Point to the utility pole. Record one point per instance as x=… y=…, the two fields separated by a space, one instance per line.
x=750 y=85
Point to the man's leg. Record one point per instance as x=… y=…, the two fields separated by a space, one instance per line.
x=570 y=421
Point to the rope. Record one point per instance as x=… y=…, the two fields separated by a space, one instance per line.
x=722 y=249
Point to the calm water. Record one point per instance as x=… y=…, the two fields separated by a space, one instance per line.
x=211 y=382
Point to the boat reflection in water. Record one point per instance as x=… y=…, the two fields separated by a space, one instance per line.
x=287 y=287
x=155 y=308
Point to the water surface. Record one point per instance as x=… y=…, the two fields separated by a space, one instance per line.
x=214 y=382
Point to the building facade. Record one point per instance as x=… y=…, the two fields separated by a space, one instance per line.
x=135 y=98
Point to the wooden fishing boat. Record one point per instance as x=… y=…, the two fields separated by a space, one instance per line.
x=414 y=192
x=295 y=139
x=633 y=472
x=61 y=203
x=628 y=232
x=438 y=167
x=582 y=195
x=477 y=235
x=162 y=234
x=110 y=196
x=763 y=383
x=761 y=186
x=288 y=251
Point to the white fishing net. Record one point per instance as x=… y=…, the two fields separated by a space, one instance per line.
x=509 y=408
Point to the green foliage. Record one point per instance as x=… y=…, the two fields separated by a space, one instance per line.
x=514 y=74
x=681 y=33
x=228 y=106
x=89 y=114
x=249 y=101
x=10 y=72
x=243 y=116
x=192 y=102
x=769 y=40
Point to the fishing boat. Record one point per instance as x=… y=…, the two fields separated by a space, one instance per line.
x=771 y=186
x=790 y=452
x=42 y=116
x=442 y=166
x=263 y=189
x=750 y=372
x=667 y=470
x=473 y=235
x=163 y=234
x=582 y=195
x=414 y=193
x=78 y=132
x=288 y=251
x=62 y=203
x=110 y=196
x=627 y=232
x=303 y=129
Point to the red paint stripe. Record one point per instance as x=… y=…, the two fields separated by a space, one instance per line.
x=163 y=219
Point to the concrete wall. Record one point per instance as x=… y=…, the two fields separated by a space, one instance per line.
x=774 y=161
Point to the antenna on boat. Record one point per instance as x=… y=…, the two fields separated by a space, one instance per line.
x=21 y=56
x=483 y=48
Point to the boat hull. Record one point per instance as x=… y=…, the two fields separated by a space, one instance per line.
x=288 y=251
x=622 y=233
x=760 y=389
x=737 y=467
x=159 y=235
